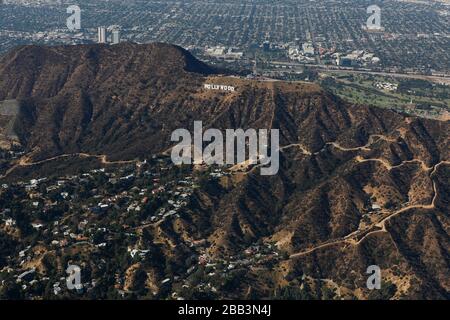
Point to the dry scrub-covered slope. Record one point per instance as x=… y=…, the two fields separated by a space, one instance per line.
x=338 y=162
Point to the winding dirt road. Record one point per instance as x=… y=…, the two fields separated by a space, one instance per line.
x=380 y=225
x=25 y=161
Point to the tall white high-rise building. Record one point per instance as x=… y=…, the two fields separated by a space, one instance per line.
x=115 y=38
x=101 y=35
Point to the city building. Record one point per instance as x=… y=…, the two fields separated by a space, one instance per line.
x=217 y=51
x=224 y=53
x=308 y=48
x=115 y=38
x=101 y=35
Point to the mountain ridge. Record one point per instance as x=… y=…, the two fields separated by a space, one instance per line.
x=337 y=161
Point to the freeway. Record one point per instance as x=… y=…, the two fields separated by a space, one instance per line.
x=334 y=69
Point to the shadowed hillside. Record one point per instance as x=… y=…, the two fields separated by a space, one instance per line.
x=357 y=185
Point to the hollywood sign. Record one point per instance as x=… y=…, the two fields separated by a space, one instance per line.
x=218 y=87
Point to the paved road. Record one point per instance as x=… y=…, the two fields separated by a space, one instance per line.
x=439 y=79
